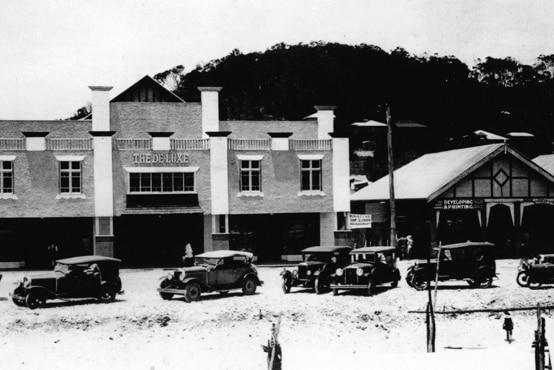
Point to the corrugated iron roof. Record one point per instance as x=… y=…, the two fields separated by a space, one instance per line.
x=546 y=161
x=426 y=175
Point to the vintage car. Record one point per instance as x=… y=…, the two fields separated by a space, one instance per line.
x=317 y=269
x=536 y=272
x=470 y=261
x=215 y=271
x=72 y=278
x=370 y=266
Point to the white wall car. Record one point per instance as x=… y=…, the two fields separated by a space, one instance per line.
x=215 y=271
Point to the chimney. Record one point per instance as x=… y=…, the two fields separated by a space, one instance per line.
x=100 y=108
x=210 y=109
x=325 y=120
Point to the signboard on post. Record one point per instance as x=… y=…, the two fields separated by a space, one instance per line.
x=359 y=221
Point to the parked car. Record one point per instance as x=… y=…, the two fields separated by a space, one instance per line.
x=317 y=268
x=470 y=261
x=72 y=278
x=370 y=266
x=536 y=272
x=215 y=271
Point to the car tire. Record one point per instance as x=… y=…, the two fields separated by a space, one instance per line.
x=192 y=292
x=535 y=285
x=410 y=280
x=335 y=292
x=249 y=286
x=319 y=286
x=419 y=282
x=107 y=294
x=165 y=296
x=485 y=283
x=523 y=279
x=286 y=286
x=35 y=300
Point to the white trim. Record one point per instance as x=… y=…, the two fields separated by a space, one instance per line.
x=311 y=157
x=7 y=158
x=70 y=196
x=8 y=196
x=250 y=194
x=250 y=157
x=70 y=158
x=161 y=169
x=311 y=193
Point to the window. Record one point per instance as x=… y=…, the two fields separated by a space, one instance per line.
x=311 y=175
x=250 y=175
x=161 y=182
x=6 y=177
x=70 y=177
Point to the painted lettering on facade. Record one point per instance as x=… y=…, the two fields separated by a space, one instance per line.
x=453 y=204
x=162 y=158
x=359 y=221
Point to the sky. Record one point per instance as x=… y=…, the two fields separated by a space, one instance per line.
x=51 y=51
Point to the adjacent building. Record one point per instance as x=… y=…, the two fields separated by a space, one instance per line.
x=150 y=172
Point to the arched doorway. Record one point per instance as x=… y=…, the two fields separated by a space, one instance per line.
x=537 y=223
x=500 y=230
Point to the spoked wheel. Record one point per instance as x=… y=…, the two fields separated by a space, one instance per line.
x=419 y=282
x=286 y=286
x=192 y=292
x=319 y=286
x=164 y=284
x=107 y=294
x=35 y=300
x=522 y=279
x=249 y=286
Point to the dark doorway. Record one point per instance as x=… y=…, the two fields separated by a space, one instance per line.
x=458 y=226
x=537 y=223
x=500 y=230
x=157 y=240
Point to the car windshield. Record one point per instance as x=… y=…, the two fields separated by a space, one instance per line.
x=363 y=257
x=60 y=267
x=206 y=261
x=318 y=257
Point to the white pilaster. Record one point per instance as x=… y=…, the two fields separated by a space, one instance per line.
x=100 y=108
x=210 y=109
x=341 y=175
x=219 y=178
x=103 y=177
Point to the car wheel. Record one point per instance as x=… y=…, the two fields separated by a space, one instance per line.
x=419 y=282
x=485 y=283
x=164 y=284
x=249 y=286
x=286 y=286
x=410 y=280
x=535 y=285
x=192 y=292
x=335 y=292
x=522 y=279
x=319 y=286
x=107 y=294
x=370 y=287
x=35 y=300
x=18 y=302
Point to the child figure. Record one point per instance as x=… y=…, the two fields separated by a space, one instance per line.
x=508 y=325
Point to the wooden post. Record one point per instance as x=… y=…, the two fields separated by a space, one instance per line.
x=273 y=348
x=391 y=180
x=539 y=341
x=430 y=313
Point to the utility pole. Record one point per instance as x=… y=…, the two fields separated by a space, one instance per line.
x=391 y=181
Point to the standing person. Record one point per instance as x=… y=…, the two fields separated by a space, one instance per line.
x=188 y=258
x=508 y=325
x=53 y=253
x=409 y=246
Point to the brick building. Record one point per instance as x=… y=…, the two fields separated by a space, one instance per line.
x=150 y=172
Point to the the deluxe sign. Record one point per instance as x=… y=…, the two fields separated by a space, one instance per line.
x=161 y=158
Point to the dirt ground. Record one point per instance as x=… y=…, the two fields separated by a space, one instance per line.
x=141 y=331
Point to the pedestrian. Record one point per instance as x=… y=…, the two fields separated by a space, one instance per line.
x=188 y=258
x=508 y=326
x=409 y=246
x=52 y=253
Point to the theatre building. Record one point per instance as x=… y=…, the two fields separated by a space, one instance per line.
x=150 y=172
x=489 y=192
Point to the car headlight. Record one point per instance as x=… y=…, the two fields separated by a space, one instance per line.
x=339 y=272
x=169 y=276
x=359 y=271
x=309 y=272
x=295 y=274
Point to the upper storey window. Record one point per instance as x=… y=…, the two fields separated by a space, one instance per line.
x=6 y=177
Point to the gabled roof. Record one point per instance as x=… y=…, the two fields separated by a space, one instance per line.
x=430 y=175
x=168 y=96
x=489 y=135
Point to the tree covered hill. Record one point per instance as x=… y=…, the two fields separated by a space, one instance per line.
x=441 y=92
